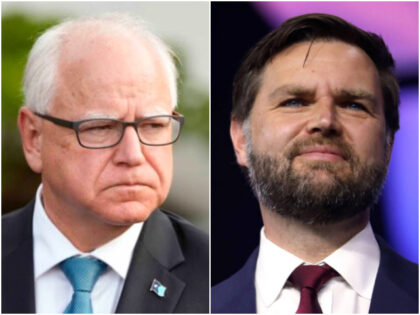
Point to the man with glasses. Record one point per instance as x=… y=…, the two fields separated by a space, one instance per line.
x=99 y=124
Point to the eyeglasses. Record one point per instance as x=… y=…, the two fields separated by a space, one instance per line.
x=101 y=133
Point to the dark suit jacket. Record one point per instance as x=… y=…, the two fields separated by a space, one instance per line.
x=395 y=291
x=169 y=249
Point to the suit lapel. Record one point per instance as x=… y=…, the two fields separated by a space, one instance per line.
x=157 y=252
x=17 y=263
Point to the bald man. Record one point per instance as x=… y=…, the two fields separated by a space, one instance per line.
x=98 y=124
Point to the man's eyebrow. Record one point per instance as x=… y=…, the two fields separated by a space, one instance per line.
x=356 y=94
x=156 y=112
x=95 y=114
x=294 y=90
x=99 y=114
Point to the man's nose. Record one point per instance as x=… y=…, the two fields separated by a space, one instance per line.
x=130 y=150
x=324 y=119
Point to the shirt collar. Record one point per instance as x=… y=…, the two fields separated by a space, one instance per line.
x=274 y=266
x=51 y=247
x=357 y=261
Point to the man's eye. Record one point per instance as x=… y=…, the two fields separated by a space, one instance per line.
x=152 y=126
x=293 y=102
x=355 y=106
x=155 y=124
x=102 y=127
x=97 y=127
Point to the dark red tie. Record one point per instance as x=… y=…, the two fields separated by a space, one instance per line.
x=309 y=279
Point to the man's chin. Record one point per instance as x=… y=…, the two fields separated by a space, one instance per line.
x=126 y=213
x=321 y=170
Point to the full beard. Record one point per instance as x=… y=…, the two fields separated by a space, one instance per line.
x=305 y=194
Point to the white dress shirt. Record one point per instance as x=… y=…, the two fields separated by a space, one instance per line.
x=357 y=262
x=53 y=291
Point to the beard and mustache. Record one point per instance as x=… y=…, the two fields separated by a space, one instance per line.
x=351 y=187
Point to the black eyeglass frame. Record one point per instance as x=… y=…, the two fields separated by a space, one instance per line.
x=75 y=126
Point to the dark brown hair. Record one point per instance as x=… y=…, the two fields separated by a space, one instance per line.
x=311 y=27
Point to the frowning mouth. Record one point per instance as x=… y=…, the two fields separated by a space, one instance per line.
x=129 y=185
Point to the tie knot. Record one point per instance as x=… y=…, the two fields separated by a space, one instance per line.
x=83 y=272
x=311 y=276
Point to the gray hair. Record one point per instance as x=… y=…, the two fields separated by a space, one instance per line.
x=39 y=83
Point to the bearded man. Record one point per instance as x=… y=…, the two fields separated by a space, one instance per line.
x=315 y=111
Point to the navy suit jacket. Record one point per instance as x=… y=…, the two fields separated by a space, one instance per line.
x=169 y=249
x=395 y=291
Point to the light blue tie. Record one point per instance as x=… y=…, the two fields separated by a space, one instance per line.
x=82 y=274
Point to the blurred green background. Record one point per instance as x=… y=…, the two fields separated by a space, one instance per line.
x=23 y=22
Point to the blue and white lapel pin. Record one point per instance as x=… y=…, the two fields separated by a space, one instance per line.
x=158 y=288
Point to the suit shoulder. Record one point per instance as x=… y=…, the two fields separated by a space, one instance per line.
x=226 y=294
x=16 y=228
x=405 y=271
x=237 y=293
x=396 y=285
x=187 y=232
x=222 y=290
x=225 y=287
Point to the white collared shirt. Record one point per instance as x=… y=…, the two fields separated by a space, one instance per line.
x=53 y=292
x=357 y=262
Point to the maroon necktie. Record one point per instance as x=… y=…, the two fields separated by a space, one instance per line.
x=309 y=279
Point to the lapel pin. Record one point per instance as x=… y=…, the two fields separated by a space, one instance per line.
x=158 y=288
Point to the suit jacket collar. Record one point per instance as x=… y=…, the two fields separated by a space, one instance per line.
x=17 y=246
x=156 y=253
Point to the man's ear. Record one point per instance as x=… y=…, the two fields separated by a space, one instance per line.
x=237 y=135
x=30 y=134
